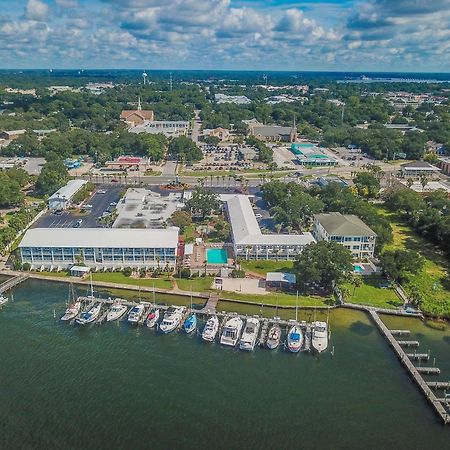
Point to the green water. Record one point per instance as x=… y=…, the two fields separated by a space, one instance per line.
x=112 y=386
x=216 y=256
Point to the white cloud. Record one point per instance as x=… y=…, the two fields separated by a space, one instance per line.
x=36 y=10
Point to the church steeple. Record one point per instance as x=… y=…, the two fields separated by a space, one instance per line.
x=139 y=108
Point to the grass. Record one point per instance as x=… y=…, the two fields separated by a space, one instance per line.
x=372 y=294
x=52 y=274
x=200 y=284
x=432 y=281
x=280 y=298
x=261 y=267
x=120 y=278
x=189 y=233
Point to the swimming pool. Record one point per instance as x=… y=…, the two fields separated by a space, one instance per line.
x=357 y=268
x=216 y=256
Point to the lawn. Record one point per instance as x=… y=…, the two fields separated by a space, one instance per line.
x=189 y=234
x=200 y=284
x=372 y=293
x=52 y=274
x=261 y=267
x=119 y=277
x=280 y=298
x=432 y=281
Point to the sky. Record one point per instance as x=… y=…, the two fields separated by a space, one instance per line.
x=333 y=35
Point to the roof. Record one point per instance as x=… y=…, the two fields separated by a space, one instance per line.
x=419 y=165
x=245 y=227
x=281 y=277
x=69 y=190
x=80 y=269
x=271 y=130
x=100 y=238
x=144 y=113
x=337 y=224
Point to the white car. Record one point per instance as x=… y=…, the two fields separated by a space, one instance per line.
x=258 y=216
x=101 y=191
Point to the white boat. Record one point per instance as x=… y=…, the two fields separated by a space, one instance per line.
x=319 y=340
x=295 y=339
x=90 y=315
x=211 y=329
x=231 y=331
x=152 y=318
x=136 y=313
x=72 y=311
x=250 y=334
x=3 y=300
x=273 y=337
x=172 y=318
x=116 y=311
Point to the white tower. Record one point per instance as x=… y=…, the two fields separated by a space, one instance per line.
x=144 y=77
x=139 y=107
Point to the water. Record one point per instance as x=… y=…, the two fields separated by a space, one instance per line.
x=216 y=256
x=113 y=386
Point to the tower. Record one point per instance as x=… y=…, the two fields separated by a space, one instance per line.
x=144 y=77
x=139 y=107
x=170 y=82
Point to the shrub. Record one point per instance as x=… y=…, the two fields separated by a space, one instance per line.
x=127 y=271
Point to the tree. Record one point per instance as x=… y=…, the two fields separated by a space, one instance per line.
x=10 y=193
x=181 y=219
x=416 y=297
x=203 y=202
x=53 y=176
x=356 y=281
x=184 y=148
x=401 y=263
x=323 y=264
x=367 y=184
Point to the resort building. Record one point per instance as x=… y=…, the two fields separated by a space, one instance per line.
x=248 y=240
x=62 y=198
x=99 y=248
x=418 y=168
x=348 y=230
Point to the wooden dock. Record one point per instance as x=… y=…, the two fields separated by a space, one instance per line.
x=412 y=370
x=409 y=343
x=400 y=332
x=418 y=356
x=429 y=370
x=12 y=282
x=439 y=384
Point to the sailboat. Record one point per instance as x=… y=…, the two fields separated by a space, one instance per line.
x=190 y=324
x=73 y=308
x=91 y=315
x=116 y=312
x=295 y=336
x=273 y=336
x=3 y=300
x=152 y=317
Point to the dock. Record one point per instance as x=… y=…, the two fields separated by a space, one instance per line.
x=414 y=372
x=12 y=282
x=439 y=384
x=418 y=356
x=400 y=332
x=409 y=343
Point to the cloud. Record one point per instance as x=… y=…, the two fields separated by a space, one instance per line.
x=36 y=10
x=67 y=3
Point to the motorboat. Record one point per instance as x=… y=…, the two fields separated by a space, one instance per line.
x=295 y=339
x=319 y=339
x=190 y=324
x=152 y=318
x=250 y=334
x=72 y=311
x=116 y=311
x=3 y=300
x=211 y=329
x=231 y=331
x=90 y=315
x=136 y=313
x=273 y=337
x=172 y=319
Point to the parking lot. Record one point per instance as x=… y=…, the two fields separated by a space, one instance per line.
x=68 y=219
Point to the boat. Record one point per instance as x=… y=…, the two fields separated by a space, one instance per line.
x=250 y=334
x=172 y=318
x=190 y=324
x=90 y=315
x=3 y=300
x=152 y=318
x=72 y=311
x=231 y=331
x=116 y=311
x=135 y=314
x=73 y=307
x=319 y=340
x=273 y=337
x=211 y=329
x=295 y=339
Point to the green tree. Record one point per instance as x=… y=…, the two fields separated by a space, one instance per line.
x=184 y=148
x=399 y=264
x=53 y=176
x=181 y=219
x=203 y=202
x=367 y=184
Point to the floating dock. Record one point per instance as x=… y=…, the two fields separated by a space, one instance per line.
x=12 y=282
x=415 y=372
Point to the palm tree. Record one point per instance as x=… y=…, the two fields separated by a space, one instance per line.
x=345 y=292
x=416 y=297
x=205 y=265
x=278 y=227
x=409 y=182
x=423 y=181
x=356 y=281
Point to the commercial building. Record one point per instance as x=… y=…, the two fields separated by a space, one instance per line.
x=248 y=240
x=62 y=198
x=273 y=133
x=170 y=128
x=99 y=248
x=348 y=230
x=236 y=99
x=280 y=280
x=308 y=154
x=12 y=134
x=444 y=164
x=418 y=168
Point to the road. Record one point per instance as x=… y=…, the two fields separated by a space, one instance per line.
x=197 y=126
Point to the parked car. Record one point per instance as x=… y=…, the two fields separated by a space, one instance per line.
x=258 y=216
x=101 y=191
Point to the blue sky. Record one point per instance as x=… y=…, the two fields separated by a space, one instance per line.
x=351 y=35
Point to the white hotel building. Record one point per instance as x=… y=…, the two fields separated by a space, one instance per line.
x=250 y=243
x=99 y=248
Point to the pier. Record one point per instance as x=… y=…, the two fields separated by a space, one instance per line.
x=418 y=356
x=12 y=282
x=409 y=343
x=414 y=372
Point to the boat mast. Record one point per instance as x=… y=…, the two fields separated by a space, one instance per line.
x=92 y=286
x=296 y=305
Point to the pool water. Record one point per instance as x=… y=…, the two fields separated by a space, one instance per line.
x=216 y=256
x=357 y=268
